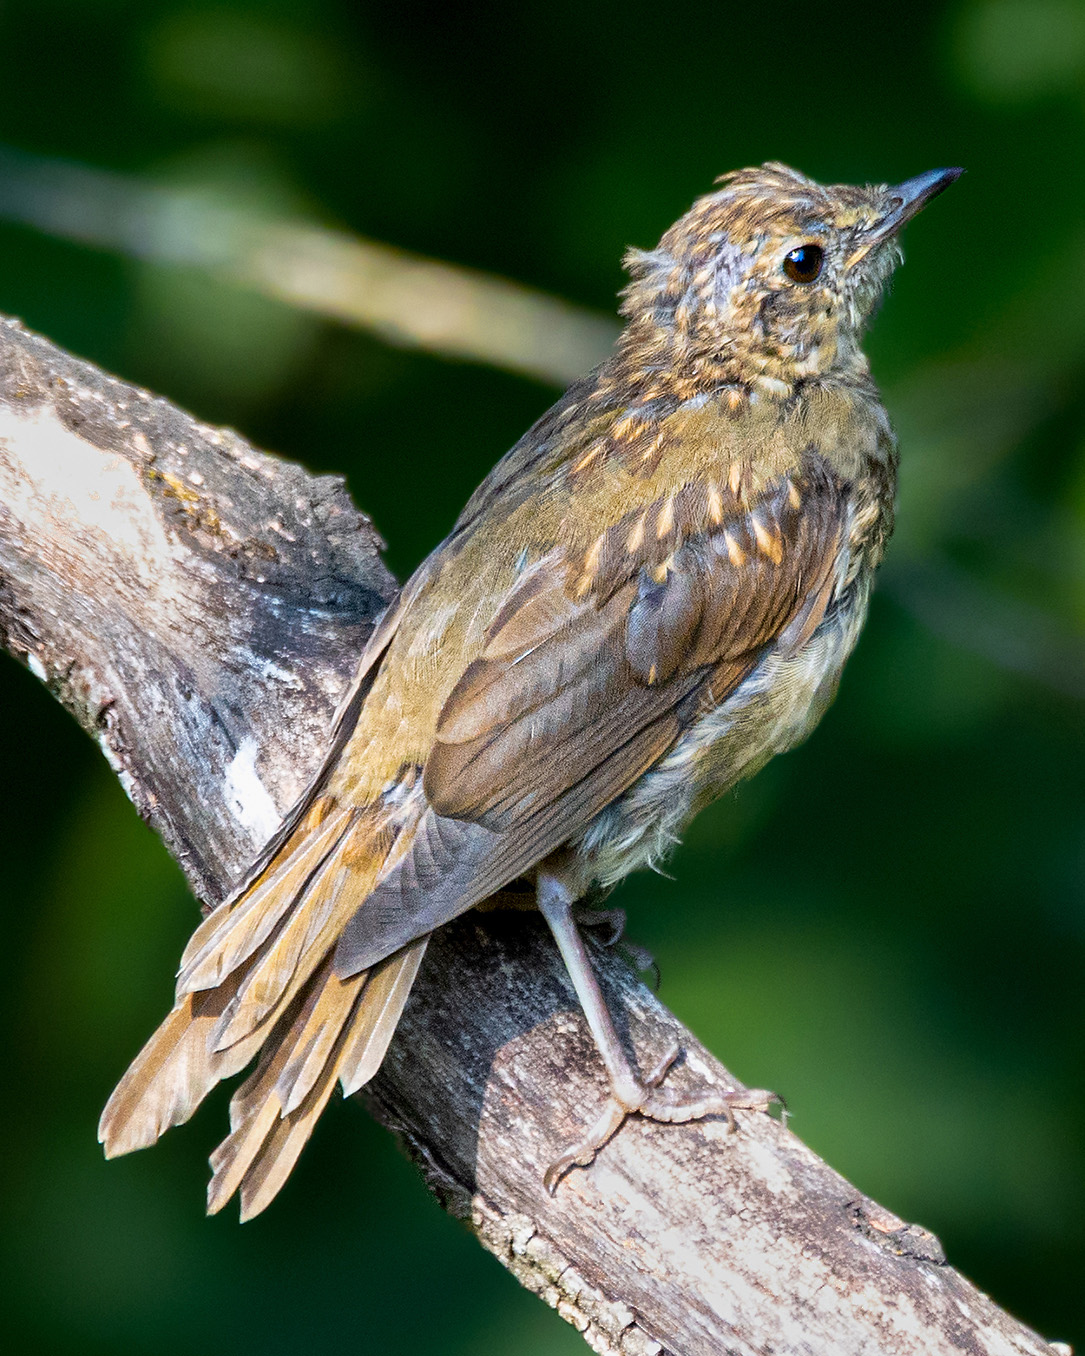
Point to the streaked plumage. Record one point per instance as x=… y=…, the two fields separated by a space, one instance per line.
x=650 y=595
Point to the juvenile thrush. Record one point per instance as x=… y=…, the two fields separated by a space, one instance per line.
x=649 y=596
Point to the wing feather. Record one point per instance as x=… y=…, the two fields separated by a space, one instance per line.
x=575 y=696
x=375 y=1023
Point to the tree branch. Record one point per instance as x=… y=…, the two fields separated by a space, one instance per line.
x=199 y=607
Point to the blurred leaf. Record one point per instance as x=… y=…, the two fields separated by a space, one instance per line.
x=1010 y=51
x=230 y=63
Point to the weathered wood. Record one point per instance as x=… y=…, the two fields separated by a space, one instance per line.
x=198 y=605
x=194 y=603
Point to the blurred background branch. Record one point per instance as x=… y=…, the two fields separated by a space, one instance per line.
x=402 y=297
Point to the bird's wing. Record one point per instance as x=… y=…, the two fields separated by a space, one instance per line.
x=587 y=678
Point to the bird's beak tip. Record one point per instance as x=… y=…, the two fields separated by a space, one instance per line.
x=905 y=200
x=913 y=195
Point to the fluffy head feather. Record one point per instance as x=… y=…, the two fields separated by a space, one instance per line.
x=714 y=299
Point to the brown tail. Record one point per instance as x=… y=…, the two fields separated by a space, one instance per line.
x=257 y=976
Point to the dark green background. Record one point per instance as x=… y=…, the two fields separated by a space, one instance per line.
x=887 y=925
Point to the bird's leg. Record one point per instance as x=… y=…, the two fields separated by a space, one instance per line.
x=629 y=1093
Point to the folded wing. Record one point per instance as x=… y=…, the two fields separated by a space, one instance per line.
x=586 y=680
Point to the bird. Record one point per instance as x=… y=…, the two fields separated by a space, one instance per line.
x=652 y=594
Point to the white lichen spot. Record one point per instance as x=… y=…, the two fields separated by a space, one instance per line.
x=141 y=444
x=770 y=1168
x=247 y=797
x=704 y=1072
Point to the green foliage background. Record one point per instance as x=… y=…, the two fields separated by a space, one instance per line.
x=888 y=925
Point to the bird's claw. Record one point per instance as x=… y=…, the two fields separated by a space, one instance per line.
x=607 y=1126
x=609 y=924
x=657 y=1103
x=583 y=1154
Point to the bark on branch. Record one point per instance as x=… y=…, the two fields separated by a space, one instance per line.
x=199 y=606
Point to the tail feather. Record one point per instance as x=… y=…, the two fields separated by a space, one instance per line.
x=264 y=1179
x=258 y=978
x=378 y=1016
x=272 y=1115
x=172 y=1074
x=254 y=1109
x=231 y=934
x=290 y=955
x=313 y=1047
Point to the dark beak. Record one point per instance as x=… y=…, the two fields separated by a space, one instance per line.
x=905 y=200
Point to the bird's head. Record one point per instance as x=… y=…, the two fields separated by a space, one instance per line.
x=772 y=278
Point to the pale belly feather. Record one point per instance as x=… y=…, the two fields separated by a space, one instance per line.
x=772 y=710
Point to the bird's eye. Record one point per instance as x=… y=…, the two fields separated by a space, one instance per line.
x=804 y=264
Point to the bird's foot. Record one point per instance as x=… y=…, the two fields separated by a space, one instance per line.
x=650 y=1099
